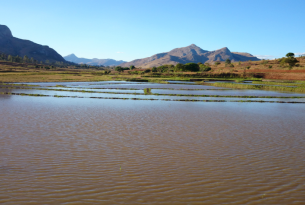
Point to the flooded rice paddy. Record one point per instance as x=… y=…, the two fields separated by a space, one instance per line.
x=109 y=143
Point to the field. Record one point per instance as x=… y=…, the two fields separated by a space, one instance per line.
x=197 y=138
x=252 y=70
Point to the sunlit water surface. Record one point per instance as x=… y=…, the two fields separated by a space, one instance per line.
x=95 y=151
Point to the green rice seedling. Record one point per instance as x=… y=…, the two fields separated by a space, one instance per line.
x=300 y=89
x=239 y=80
x=147 y=91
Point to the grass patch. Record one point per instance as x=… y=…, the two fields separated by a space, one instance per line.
x=299 y=84
x=258 y=87
x=117 y=98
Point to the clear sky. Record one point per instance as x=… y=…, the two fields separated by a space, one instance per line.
x=132 y=29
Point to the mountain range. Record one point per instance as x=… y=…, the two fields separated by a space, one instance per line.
x=105 y=62
x=190 y=54
x=14 y=46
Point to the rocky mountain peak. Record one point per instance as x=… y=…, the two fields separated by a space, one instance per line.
x=191 y=53
x=71 y=56
x=224 y=49
x=5 y=32
x=14 y=46
x=193 y=45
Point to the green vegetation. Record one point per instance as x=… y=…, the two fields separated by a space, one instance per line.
x=27 y=60
x=204 y=68
x=227 y=62
x=193 y=67
x=22 y=70
x=147 y=91
x=292 y=83
x=290 y=60
x=299 y=89
x=187 y=100
x=217 y=63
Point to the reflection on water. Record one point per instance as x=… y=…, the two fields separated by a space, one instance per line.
x=89 y=151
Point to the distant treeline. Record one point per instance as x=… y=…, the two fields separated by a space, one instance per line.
x=192 y=67
x=26 y=59
x=47 y=63
x=86 y=66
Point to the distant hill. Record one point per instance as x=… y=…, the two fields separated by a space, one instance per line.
x=190 y=54
x=15 y=46
x=105 y=62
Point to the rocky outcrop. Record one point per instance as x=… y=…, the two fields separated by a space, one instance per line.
x=11 y=45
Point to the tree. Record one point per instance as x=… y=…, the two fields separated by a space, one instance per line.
x=10 y=58
x=204 y=68
x=25 y=59
x=179 y=67
x=170 y=68
x=147 y=70
x=3 y=56
x=290 y=60
x=154 y=70
x=47 y=61
x=119 y=69
x=228 y=61
x=162 y=68
x=18 y=59
x=289 y=55
x=132 y=67
x=192 y=67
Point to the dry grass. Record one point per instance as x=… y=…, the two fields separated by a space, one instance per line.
x=270 y=69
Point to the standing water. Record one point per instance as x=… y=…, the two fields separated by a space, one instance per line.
x=115 y=151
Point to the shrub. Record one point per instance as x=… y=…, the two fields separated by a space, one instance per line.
x=119 y=69
x=191 y=67
x=217 y=63
x=154 y=70
x=264 y=62
x=291 y=61
x=204 y=68
x=162 y=68
x=228 y=62
x=179 y=67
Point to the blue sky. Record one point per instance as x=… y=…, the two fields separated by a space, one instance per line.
x=132 y=29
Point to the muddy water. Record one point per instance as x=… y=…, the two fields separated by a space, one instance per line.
x=93 y=151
